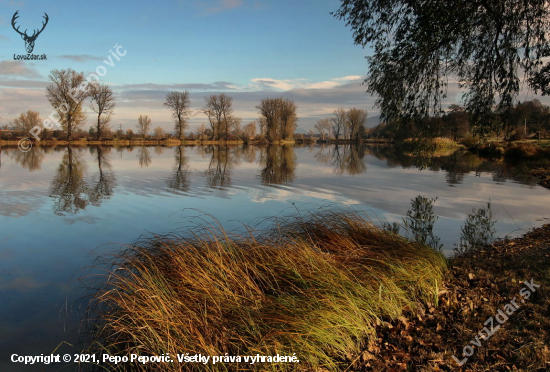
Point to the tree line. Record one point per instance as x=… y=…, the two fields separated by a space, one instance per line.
x=525 y=119
x=69 y=91
x=344 y=124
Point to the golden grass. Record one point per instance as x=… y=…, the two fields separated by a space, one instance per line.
x=313 y=285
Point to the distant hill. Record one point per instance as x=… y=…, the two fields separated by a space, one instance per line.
x=373 y=121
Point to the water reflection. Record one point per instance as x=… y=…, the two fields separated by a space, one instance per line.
x=178 y=182
x=104 y=183
x=144 y=156
x=279 y=165
x=346 y=159
x=31 y=160
x=68 y=185
x=218 y=174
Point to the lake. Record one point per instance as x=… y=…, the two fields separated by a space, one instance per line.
x=61 y=208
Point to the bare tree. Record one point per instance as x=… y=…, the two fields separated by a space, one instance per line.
x=288 y=118
x=66 y=95
x=323 y=127
x=201 y=130
x=250 y=130
x=143 y=125
x=26 y=121
x=339 y=122
x=159 y=132
x=279 y=118
x=179 y=103
x=234 y=124
x=269 y=109
x=356 y=122
x=103 y=104
x=218 y=109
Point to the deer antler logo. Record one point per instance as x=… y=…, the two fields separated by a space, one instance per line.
x=29 y=40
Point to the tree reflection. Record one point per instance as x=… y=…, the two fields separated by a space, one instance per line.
x=346 y=159
x=279 y=165
x=144 y=157
x=178 y=182
x=68 y=186
x=218 y=174
x=105 y=183
x=31 y=160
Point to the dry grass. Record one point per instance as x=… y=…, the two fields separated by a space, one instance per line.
x=314 y=285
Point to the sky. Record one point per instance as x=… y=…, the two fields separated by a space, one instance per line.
x=248 y=49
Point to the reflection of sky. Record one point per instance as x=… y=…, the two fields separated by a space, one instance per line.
x=42 y=252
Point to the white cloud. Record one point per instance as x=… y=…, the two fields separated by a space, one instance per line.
x=289 y=84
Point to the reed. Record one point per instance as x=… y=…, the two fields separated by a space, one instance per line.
x=314 y=285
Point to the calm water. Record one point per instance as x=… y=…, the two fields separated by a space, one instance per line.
x=60 y=208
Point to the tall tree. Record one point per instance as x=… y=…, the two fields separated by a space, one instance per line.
x=278 y=117
x=356 y=119
x=269 y=109
x=339 y=120
x=323 y=127
x=218 y=109
x=103 y=104
x=27 y=120
x=66 y=94
x=485 y=45
x=288 y=119
x=143 y=125
x=179 y=103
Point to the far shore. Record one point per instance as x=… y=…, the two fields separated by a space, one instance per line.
x=187 y=142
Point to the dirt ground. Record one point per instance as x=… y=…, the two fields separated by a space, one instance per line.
x=475 y=300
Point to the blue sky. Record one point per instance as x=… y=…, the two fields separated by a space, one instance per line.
x=250 y=49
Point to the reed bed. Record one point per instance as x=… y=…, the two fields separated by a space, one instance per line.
x=313 y=285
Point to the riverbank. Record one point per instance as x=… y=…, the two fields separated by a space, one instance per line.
x=477 y=286
x=530 y=157
x=335 y=291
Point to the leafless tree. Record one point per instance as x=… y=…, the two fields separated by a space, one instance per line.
x=218 y=109
x=288 y=119
x=159 y=132
x=179 y=103
x=356 y=122
x=235 y=126
x=250 y=129
x=269 y=109
x=103 y=104
x=201 y=130
x=143 y=125
x=66 y=94
x=278 y=117
x=339 y=120
x=323 y=127
x=26 y=121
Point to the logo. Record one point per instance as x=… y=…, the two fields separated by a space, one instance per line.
x=29 y=40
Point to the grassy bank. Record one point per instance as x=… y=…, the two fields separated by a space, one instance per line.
x=314 y=286
x=433 y=147
x=528 y=157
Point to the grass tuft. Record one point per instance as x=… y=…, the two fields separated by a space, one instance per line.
x=315 y=284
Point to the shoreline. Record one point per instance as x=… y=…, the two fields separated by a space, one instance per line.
x=479 y=285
